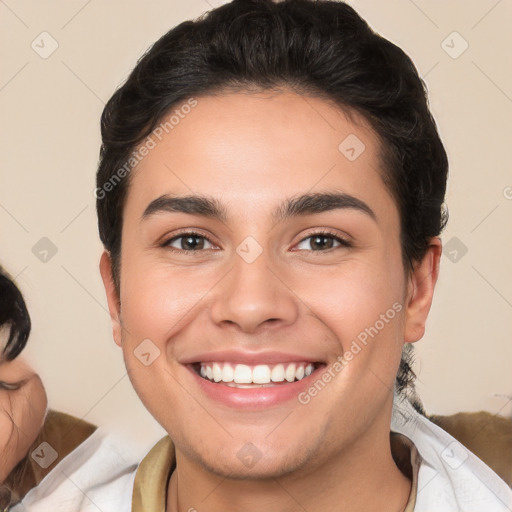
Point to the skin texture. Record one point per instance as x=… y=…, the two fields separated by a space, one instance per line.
x=252 y=152
x=22 y=412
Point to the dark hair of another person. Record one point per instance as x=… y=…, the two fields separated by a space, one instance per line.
x=322 y=49
x=13 y=315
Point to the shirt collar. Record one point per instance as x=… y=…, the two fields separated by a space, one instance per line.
x=152 y=477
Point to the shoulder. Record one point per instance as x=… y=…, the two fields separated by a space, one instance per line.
x=450 y=477
x=99 y=473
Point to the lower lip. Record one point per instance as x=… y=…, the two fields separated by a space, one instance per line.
x=253 y=398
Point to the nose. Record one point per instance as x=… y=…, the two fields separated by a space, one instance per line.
x=253 y=296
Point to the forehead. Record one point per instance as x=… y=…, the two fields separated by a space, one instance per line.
x=254 y=149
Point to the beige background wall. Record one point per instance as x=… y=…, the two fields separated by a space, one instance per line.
x=49 y=133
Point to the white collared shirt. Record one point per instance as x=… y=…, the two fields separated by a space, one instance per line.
x=97 y=476
x=450 y=477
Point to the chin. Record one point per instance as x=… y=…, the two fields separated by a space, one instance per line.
x=263 y=469
x=249 y=462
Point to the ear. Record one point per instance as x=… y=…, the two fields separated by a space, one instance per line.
x=114 y=305
x=420 y=291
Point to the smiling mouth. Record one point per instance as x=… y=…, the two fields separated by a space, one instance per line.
x=260 y=375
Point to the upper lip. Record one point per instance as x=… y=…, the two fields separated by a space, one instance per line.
x=249 y=358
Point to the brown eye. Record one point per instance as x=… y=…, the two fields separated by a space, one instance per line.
x=188 y=242
x=319 y=242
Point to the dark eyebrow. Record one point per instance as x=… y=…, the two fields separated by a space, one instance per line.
x=320 y=202
x=194 y=205
x=294 y=207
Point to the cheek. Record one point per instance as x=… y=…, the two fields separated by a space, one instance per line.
x=21 y=418
x=156 y=299
x=157 y=303
x=352 y=297
x=361 y=306
x=34 y=409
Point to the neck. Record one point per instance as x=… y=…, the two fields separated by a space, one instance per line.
x=361 y=477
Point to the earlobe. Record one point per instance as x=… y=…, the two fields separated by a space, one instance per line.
x=422 y=281
x=112 y=296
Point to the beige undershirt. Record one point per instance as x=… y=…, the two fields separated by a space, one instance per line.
x=154 y=472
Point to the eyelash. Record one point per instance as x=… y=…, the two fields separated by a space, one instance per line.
x=326 y=233
x=9 y=387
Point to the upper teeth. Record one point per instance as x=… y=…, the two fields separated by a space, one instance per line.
x=259 y=374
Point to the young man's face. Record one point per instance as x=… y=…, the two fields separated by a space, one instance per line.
x=262 y=289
